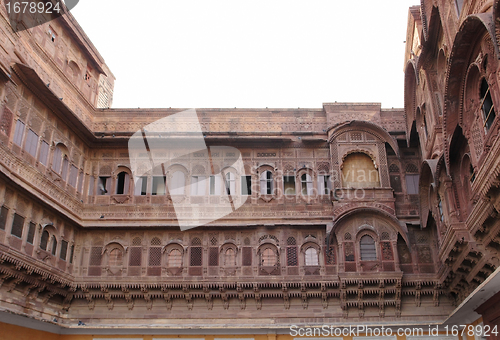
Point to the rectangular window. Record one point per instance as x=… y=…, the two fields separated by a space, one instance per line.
x=215 y=185
x=64 y=250
x=104 y=185
x=198 y=186
x=31 y=233
x=71 y=253
x=141 y=186
x=17 y=226
x=44 y=153
x=3 y=217
x=159 y=186
x=246 y=185
x=31 y=143
x=324 y=185
x=289 y=185
x=80 y=182
x=412 y=184
x=73 y=173
x=19 y=133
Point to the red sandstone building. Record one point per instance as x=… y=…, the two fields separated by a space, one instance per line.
x=349 y=214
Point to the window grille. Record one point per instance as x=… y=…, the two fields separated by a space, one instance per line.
x=95 y=256
x=136 y=241
x=213 y=239
x=411 y=168
x=247 y=256
x=367 y=248
x=196 y=255
x=347 y=236
x=385 y=235
x=135 y=259
x=196 y=241
x=291 y=256
x=155 y=241
x=155 y=256
x=393 y=168
x=291 y=241
x=246 y=242
x=95 y=261
x=213 y=256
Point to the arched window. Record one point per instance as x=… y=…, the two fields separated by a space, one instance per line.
x=358 y=171
x=266 y=183
x=367 y=248
x=122 y=183
x=311 y=258
x=177 y=183
x=174 y=258
x=307 y=185
x=230 y=257
x=44 y=241
x=268 y=257
x=487 y=106
x=115 y=258
x=57 y=159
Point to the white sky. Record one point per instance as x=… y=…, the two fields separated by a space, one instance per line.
x=250 y=54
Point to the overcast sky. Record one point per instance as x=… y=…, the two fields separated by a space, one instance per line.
x=250 y=54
